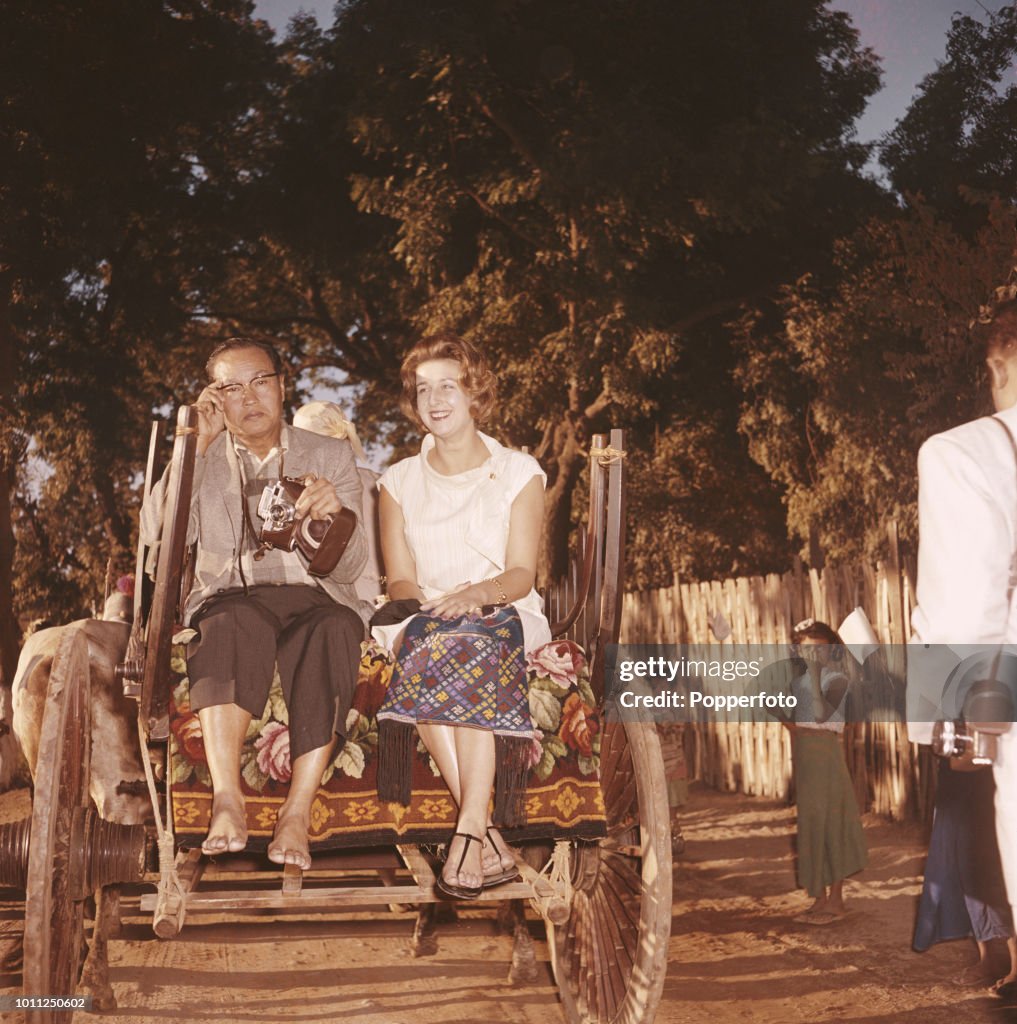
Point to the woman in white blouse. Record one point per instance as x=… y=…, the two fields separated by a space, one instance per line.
x=460 y=528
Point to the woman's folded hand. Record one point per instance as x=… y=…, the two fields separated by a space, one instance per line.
x=466 y=598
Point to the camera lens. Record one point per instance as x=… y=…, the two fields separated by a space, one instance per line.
x=947 y=739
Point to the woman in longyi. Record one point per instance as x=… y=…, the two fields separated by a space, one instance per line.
x=831 y=843
x=460 y=527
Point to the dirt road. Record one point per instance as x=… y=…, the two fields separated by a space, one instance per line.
x=735 y=953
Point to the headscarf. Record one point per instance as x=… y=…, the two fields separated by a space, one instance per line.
x=327 y=419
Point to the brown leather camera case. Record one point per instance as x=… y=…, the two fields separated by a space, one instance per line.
x=321 y=541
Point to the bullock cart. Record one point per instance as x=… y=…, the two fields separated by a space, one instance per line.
x=604 y=890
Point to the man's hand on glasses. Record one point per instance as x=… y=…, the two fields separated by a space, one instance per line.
x=211 y=422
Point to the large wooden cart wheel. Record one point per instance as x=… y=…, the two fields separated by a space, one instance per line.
x=610 y=957
x=56 y=887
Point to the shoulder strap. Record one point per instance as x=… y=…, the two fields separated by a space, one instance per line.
x=1012 y=582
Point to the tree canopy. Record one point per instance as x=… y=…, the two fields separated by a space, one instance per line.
x=649 y=214
x=862 y=362
x=589 y=214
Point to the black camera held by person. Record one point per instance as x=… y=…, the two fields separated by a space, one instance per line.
x=321 y=541
x=987 y=713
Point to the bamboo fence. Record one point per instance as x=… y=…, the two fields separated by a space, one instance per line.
x=892 y=776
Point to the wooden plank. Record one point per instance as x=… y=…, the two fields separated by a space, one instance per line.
x=818 y=596
x=293 y=879
x=796 y=586
x=325 y=899
x=898 y=630
x=418 y=864
x=323 y=861
x=735 y=618
x=165 y=599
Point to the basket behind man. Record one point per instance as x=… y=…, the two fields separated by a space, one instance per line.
x=253 y=608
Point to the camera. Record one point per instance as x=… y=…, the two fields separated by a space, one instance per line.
x=321 y=541
x=277 y=508
x=987 y=713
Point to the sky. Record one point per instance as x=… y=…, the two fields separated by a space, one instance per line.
x=909 y=35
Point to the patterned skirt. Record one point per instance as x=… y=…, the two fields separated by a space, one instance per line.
x=469 y=672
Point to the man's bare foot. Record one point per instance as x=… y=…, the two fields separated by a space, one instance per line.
x=289 y=843
x=227 y=831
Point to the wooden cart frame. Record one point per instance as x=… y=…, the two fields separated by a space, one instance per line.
x=606 y=903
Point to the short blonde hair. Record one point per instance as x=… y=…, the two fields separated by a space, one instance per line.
x=475 y=376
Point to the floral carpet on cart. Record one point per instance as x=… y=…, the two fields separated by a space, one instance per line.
x=563 y=796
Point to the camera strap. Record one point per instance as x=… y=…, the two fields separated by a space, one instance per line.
x=248 y=528
x=1012 y=580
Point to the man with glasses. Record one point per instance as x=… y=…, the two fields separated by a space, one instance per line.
x=256 y=607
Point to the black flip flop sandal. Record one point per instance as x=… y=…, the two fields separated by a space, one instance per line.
x=459 y=892
x=506 y=874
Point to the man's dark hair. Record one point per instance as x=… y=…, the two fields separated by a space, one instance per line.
x=231 y=344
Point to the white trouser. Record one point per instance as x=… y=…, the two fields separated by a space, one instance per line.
x=1005 y=772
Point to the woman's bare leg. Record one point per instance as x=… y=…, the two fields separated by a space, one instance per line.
x=465 y=758
x=441 y=745
x=440 y=741
x=476 y=756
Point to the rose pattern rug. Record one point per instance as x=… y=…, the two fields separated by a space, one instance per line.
x=563 y=797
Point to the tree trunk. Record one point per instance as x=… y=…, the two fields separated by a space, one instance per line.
x=118 y=528
x=563 y=460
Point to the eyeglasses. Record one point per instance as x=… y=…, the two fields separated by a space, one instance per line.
x=259 y=386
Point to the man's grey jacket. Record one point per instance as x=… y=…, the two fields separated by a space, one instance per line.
x=216 y=520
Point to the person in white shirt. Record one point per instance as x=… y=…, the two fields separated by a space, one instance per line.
x=967 y=524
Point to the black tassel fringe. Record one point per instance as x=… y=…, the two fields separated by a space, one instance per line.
x=396 y=745
x=396 y=742
x=512 y=757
